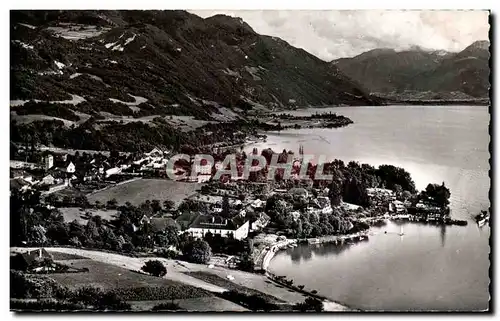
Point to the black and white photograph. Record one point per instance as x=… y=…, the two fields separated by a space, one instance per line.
x=250 y=160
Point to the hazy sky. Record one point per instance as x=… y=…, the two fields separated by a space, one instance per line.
x=334 y=34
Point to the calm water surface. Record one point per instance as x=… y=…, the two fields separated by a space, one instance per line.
x=430 y=267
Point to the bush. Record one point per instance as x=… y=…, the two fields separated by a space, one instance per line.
x=198 y=252
x=171 y=306
x=96 y=299
x=309 y=304
x=170 y=292
x=25 y=286
x=45 y=305
x=168 y=254
x=254 y=302
x=155 y=267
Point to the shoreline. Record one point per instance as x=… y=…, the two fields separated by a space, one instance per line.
x=328 y=304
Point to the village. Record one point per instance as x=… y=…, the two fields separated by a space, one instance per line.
x=128 y=204
x=230 y=207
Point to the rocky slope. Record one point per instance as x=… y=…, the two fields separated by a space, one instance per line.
x=421 y=74
x=75 y=72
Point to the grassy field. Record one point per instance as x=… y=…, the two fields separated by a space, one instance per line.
x=58 y=256
x=74 y=213
x=217 y=280
x=203 y=304
x=131 y=286
x=138 y=191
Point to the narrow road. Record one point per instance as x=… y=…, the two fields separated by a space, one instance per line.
x=131 y=263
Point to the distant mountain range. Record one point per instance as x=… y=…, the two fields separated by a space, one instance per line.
x=422 y=74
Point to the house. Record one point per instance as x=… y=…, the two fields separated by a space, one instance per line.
x=202 y=178
x=19 y=173
x=57 y=187
x=397 y=206
x=27 y=261
x=113 y=171
x=156 y=152
x=324 y=204
x=159 y=224
x=70 y=167
x=19 y=184
x=203 y=169
x=381 y=193
x=47 y=180
x=21 y=164
x=258 y=203
x=261 y=222
x=350 y=207
x=48 y=162
x=238 y=226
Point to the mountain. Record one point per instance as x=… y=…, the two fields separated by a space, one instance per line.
x=167 y=57
x=93 y=75
x=423 y=73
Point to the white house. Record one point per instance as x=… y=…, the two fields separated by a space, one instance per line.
x=258 y=203
x=113 y=171
x=70 y=168
x=47 y=180
x=48 y=162
x=261 y=222
x=238 y=226
x=325 y=205
x=382 y=193
x=156 y=152
x=397 y=206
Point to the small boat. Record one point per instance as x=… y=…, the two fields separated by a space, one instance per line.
x=401 y=233
x=482 y=218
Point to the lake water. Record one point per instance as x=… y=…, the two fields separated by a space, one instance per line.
x=430 y=267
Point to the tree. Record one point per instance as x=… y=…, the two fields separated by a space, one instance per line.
x=225 y=207
x=246 y=262
x=36 y=235
x=335 y=192
x=51 y=199
x=355 y=192
x=169 y=306
x=154 y=267
x=81 y=201
x=309 y=304
x=437 y=195
x=168 y=205
x=155 y=205
x=406 y=195
x=198 y=251
x=398 y=189
x=111 y=204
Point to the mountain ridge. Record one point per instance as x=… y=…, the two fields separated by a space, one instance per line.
x=83 y=77
x=422 y=73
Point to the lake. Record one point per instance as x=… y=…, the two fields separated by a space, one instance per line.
x=430 y=267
